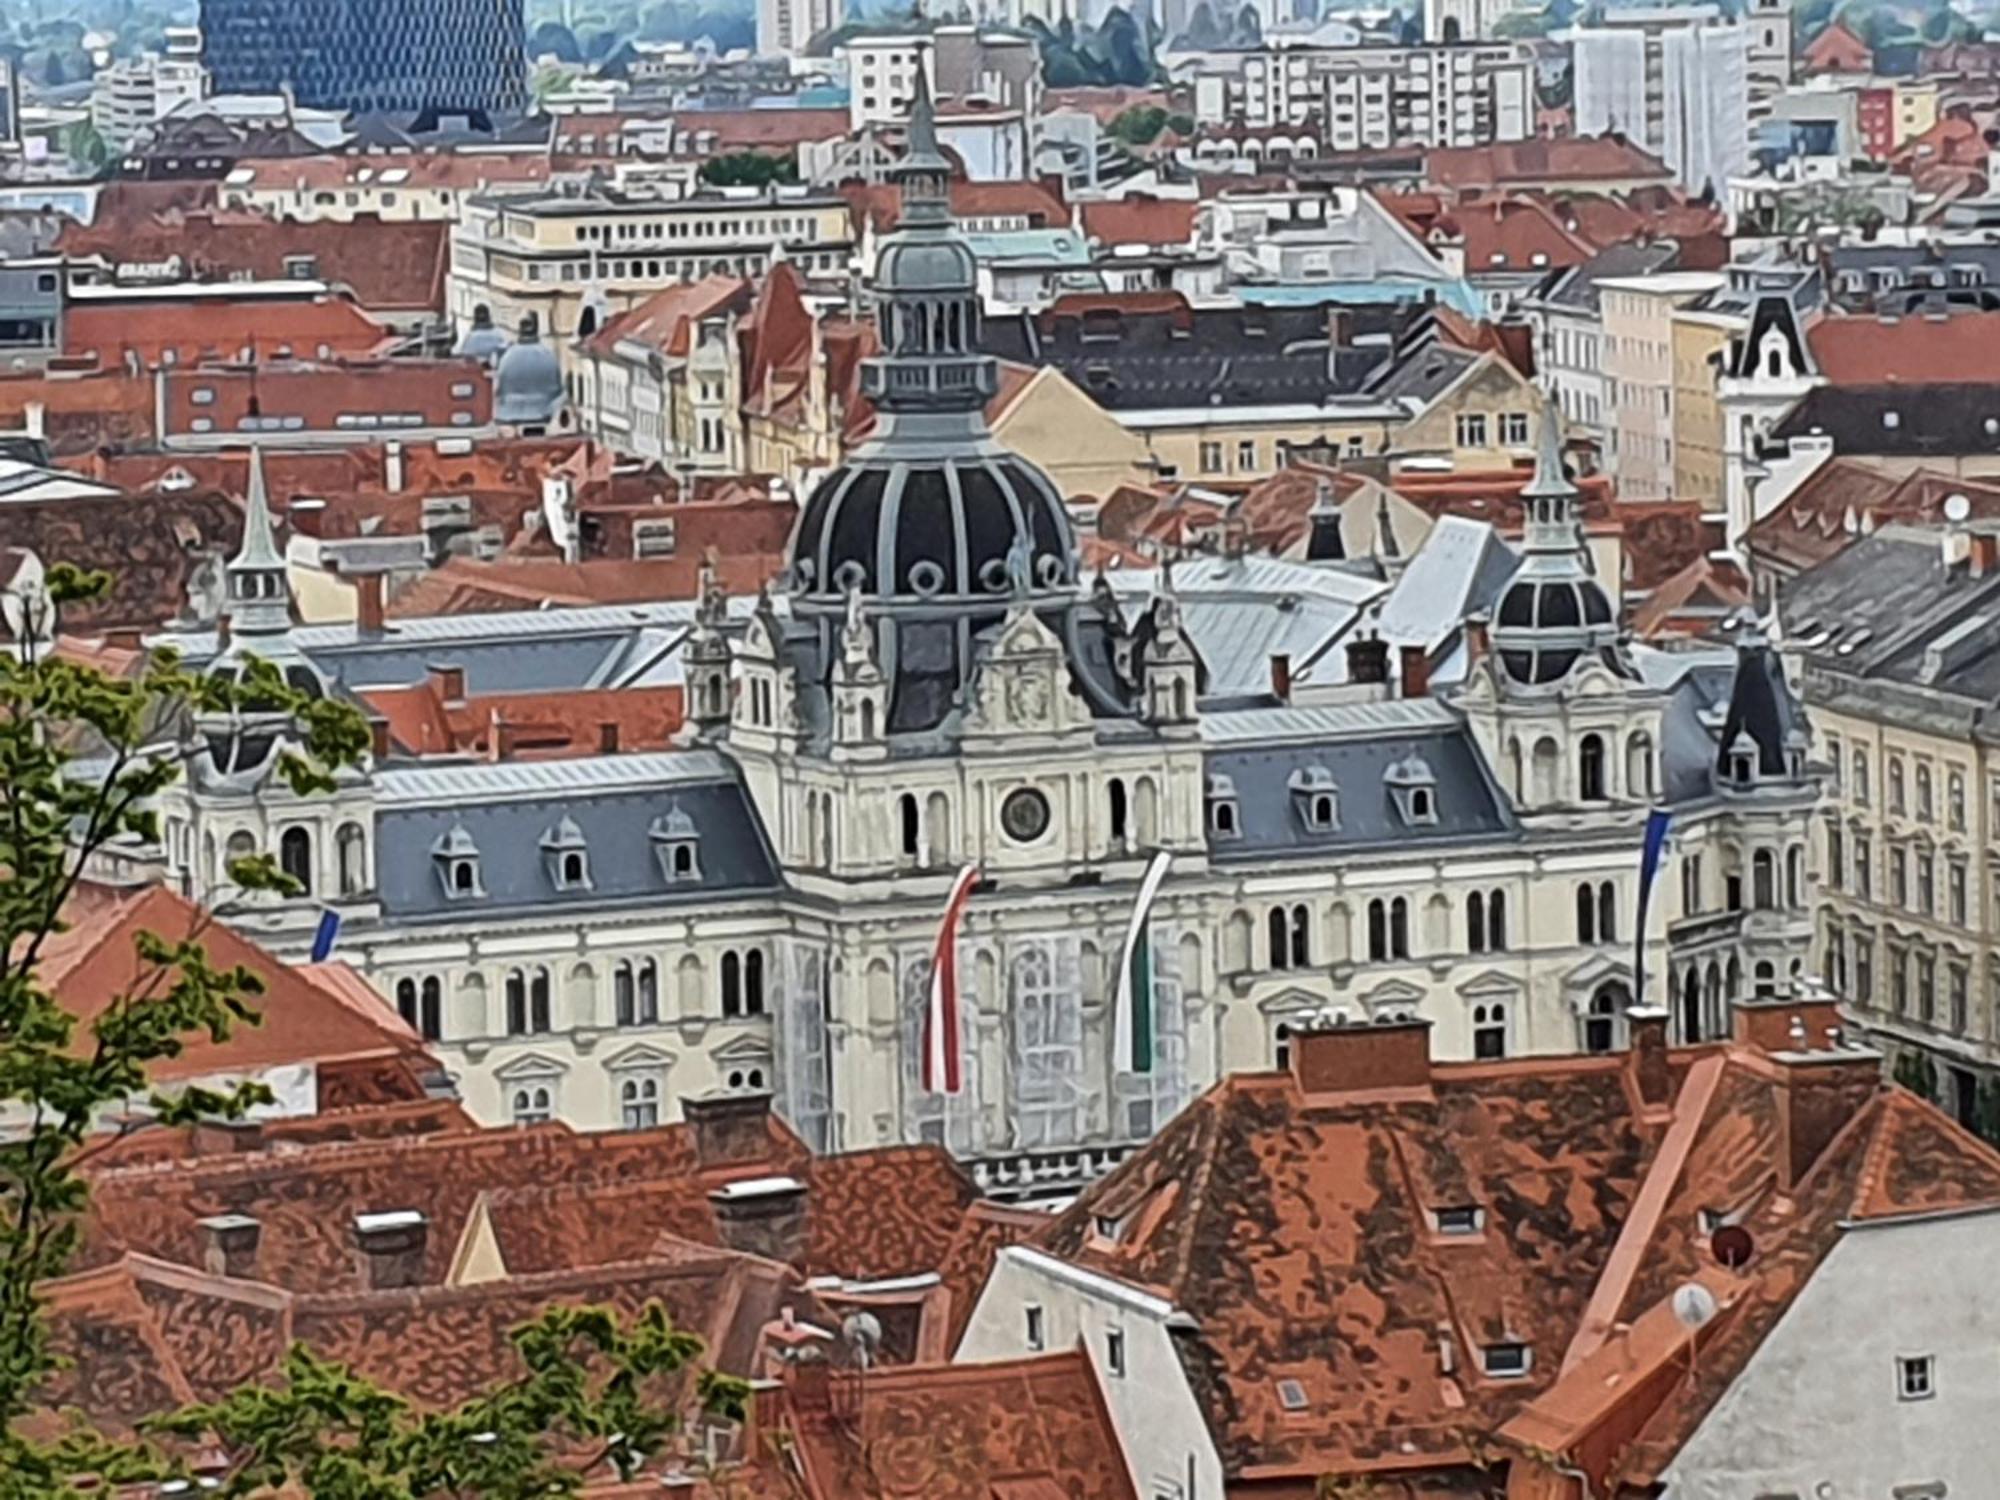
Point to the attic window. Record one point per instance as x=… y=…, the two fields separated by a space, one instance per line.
x=676 y=845
x=1037 y=1334
x=1114 y=1352
x=658 y=538
x=1224 y=818
x=1506 y=1361
x=567 y=857
x=1464 y=1218
x=1413 y=788
x=457 y=861
x=1107 y=1226
x=1916 y=1377
x=1316 y=798
x=1291 y=1395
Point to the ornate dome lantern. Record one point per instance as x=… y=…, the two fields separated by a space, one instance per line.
x=1554 y=612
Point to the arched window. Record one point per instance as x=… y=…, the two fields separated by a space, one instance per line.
x=1639 y=766
x=1301 y=936
x=1586 y=914
x=430 y=1013
x=1475 y=923
x=351 y=846
x=462 y=876
x=1600 y=1023
x=406 y=1001
x=1590 y=768
x=1279 y=923
x=753 y=982
x=1115 y=794
x=1378 y=929
x=1547 y=762
x=1281 y=1046
x=649 y=992
x=1607 y=913
x=1399 y=928
x=912 y=832
x=1766 y=980
x=295 y=856
x=1496 y=922
x=1691 y=1005
x=1489 y=1031
x=517 y=1003
x=624 y=994
x=639 y=1103
x=538 y=1000
x=1763 y=880
x=533 y=1106
x=732 y=986
x=1795 y=878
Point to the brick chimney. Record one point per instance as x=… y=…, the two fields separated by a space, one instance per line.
x=1825 y=1080
x=1368 y=660
x=1646 y=1065
x=448 y=682
x=500 y=738
x=1361 y=1058
x=379 y=744
x=231 y=1248
x=390 y=1248
x=730 y=1130
x=368 y=617
x=1415 y=667
x=762 y=1216
x=1984 y=557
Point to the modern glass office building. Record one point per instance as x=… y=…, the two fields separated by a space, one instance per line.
x=396 y=56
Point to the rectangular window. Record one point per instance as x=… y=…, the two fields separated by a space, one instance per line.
x=202 y=395
x=1916 y=1377
x=1114 y=1352
x=1506 y=1361
x=1514 y=429
x=1037 y=1338
x=1463 y=1219
x=1211 y=458
x=1472 y=430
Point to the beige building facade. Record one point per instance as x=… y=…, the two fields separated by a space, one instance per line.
x=1638 y=315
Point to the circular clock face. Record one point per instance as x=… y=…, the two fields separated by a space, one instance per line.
x=1025 y=815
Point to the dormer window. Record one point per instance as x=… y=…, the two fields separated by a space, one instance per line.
x=457 y=861
x=1413 y=788
x=1743 y=760
x=567 y=857
x=1316 y=798
x=1507 y=1361
x=1225 y=819
x=1460 y=1219
x=677 y=846
x=1107 y=1227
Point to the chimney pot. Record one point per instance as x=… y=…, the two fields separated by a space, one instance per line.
x=1368 y=660
x=378 y=738
x=763 y=1216
x=1362 y=1057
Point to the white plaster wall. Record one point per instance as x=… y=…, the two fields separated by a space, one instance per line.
x=1817 y=1414
x=1161 y=1427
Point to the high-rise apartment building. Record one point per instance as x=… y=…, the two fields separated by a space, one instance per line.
x=437 y=56
x=10 y=103
x=1673 y=78
x=785 y=26
x=134 y=94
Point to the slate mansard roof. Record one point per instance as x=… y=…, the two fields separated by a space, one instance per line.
x=1269 y=761
x=618 y=810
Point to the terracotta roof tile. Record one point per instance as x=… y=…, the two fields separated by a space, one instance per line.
x=1939 y=348
x=1140 y=220
x=662 y=322
x=529 y=725
x=1582 y=160
x=187 y=331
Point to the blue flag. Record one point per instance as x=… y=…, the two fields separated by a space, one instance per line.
x=326 y=937
x=1651 y=853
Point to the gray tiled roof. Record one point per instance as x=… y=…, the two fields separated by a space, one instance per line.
x=613 y=801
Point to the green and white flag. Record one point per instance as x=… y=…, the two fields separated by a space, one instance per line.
x=1133 y=1016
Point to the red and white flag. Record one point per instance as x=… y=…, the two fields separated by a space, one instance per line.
x=944 y=1066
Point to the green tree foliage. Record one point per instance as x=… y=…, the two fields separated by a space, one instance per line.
x=1916 y=1072
x=592 y=1395
x=749 y=169
x=1140 y=125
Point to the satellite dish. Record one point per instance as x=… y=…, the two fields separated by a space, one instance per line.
x=1957 y=509
x=863 y=1333
x=1731 y=1246
x=1694 y=1304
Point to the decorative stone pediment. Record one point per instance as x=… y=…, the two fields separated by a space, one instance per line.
x=1489 y=985
x=1023 y=685
x=530 y=1065
x=639 y=1057
x=1595 y=970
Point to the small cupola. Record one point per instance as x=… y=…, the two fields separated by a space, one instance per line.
x=1412 y=787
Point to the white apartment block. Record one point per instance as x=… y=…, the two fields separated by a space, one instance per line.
x=785 y=26
x=882 y=77
x=130 y=97
x=1673 y=79
x=1444 y=95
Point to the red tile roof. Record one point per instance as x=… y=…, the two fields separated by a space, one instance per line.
x=527 y=726
x=716 y=130
x=150 y=544
x=352 y=398
x=1693 y=601
x=1836 y=50
x=420 y=171
x=466 y=586
x=1041 y=203
x=663 y=321
x=1578 y=160
x=314 y=1016
x=184 y=331
x=1291 y=1218
x=1498 y=231
x=392 y=266
x=82 y=410
x=1936 y=348
x=1140 y=220
x=1847 y=497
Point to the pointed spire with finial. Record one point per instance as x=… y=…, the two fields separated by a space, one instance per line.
x=924 y=173
x=259 y=593
x=1551 y=497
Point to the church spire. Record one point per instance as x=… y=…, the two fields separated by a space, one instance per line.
x=1551 y=498
x=259 y=593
